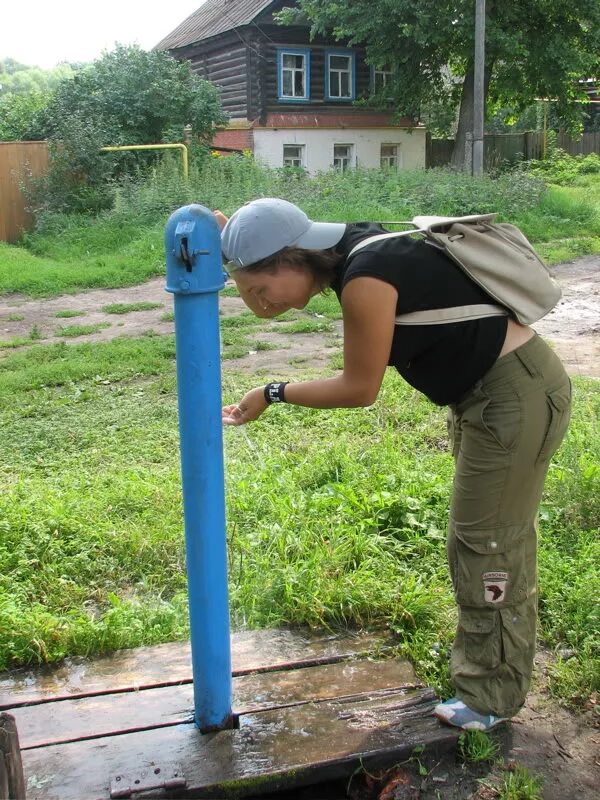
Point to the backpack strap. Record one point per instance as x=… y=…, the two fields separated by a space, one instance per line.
x=435 y=316
x=380 y=237
x=438 y=316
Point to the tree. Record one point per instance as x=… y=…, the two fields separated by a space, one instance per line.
x=534 y=49
x=127 y=97
x=138 y=97
x=20 y=79
x=21 y=116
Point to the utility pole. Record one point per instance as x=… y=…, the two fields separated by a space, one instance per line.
x=478 y=85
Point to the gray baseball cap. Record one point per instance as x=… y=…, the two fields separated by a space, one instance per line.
x=263 y=227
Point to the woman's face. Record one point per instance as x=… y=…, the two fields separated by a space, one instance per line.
x=276 y=292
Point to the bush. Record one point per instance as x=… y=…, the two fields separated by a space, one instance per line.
x=562 y=168
x=127 y=97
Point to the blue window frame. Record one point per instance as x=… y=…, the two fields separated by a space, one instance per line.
x=293 y=74
x=380 y=78
x=340 y=75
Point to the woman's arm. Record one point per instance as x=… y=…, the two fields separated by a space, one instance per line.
x=369 y=311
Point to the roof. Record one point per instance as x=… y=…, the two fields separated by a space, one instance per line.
x=212 y=18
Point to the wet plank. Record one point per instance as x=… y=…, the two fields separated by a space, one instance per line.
x=272 y=750
x=103 y=715
x=170 y=664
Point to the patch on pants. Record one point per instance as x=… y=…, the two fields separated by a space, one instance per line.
x=494 y=586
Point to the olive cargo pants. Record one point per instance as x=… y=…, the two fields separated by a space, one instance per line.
x=503 y=433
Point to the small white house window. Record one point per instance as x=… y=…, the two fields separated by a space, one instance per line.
x=293 y=155
x=293 y=78
x=389 y=155
x=340 y=76
x=381 y=78
x=343 y=155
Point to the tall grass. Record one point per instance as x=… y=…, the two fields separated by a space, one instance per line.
x=124 y=246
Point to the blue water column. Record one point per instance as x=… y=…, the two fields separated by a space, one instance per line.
x=195 y=276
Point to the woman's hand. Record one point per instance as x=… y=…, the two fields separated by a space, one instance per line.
x=250 y=407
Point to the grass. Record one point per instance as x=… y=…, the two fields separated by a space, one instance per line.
x=68 y=261
x=14 y=317
x=124 y=247
x=476 y=747
x=126 y=308
x=16 y=341
x=335 y=518
x=81 y=330
x=517 y=783
x=305 y=325
x=68 y=313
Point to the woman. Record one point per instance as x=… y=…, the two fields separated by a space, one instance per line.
x=509 y=404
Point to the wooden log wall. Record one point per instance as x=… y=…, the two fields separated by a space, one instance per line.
x=225 y=63
x=243 y=65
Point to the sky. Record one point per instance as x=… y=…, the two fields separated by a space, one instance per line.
x=45 y=32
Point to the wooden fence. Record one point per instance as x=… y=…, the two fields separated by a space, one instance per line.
x=502 y=147
x=18 y=161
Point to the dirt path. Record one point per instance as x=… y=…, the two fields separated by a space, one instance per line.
x=573 y=327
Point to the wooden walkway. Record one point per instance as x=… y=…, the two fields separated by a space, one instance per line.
x=309 y=708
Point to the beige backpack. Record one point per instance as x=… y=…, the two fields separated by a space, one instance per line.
x=495 y=255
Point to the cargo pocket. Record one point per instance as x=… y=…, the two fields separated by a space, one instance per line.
x=518 y=648
x=490 y=566
x=501 y=419
x=559 y=414
x=453 y=433
x=479 y=629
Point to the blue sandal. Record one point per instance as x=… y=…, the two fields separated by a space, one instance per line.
x=455 y=712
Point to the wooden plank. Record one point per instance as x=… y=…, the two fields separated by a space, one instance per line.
x=105 y=715
x=12 y=781
x=271 y=750
x=170 y=664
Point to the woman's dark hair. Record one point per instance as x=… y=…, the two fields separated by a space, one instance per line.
x=320 y=263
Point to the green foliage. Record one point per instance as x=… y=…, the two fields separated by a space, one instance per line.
x=68 y=312
x=561 y=168
x=20 y=79
x=477 y=746
x=127 y=97
x=517 y=784
x=137 y=97
x=20 y=116
x=124 y=245
x=81 y=330
x=341 y=522
x=125 y=308
x=429 y=46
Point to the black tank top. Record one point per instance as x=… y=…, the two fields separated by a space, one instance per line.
x=441 y=361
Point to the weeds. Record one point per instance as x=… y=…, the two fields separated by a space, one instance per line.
x=68 y=313
x=124 y=246
x=476 y=747
x=81 y=330
x=516 y=784
x=126 y=308
x=335 y=518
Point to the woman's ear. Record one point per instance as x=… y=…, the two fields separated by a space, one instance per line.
x=221 y=219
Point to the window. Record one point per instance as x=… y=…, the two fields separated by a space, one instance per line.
x=340 y=78
x=343 y=156
x=293 y=75
x=293 y=155
x=389 y=155
x=381 y=78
